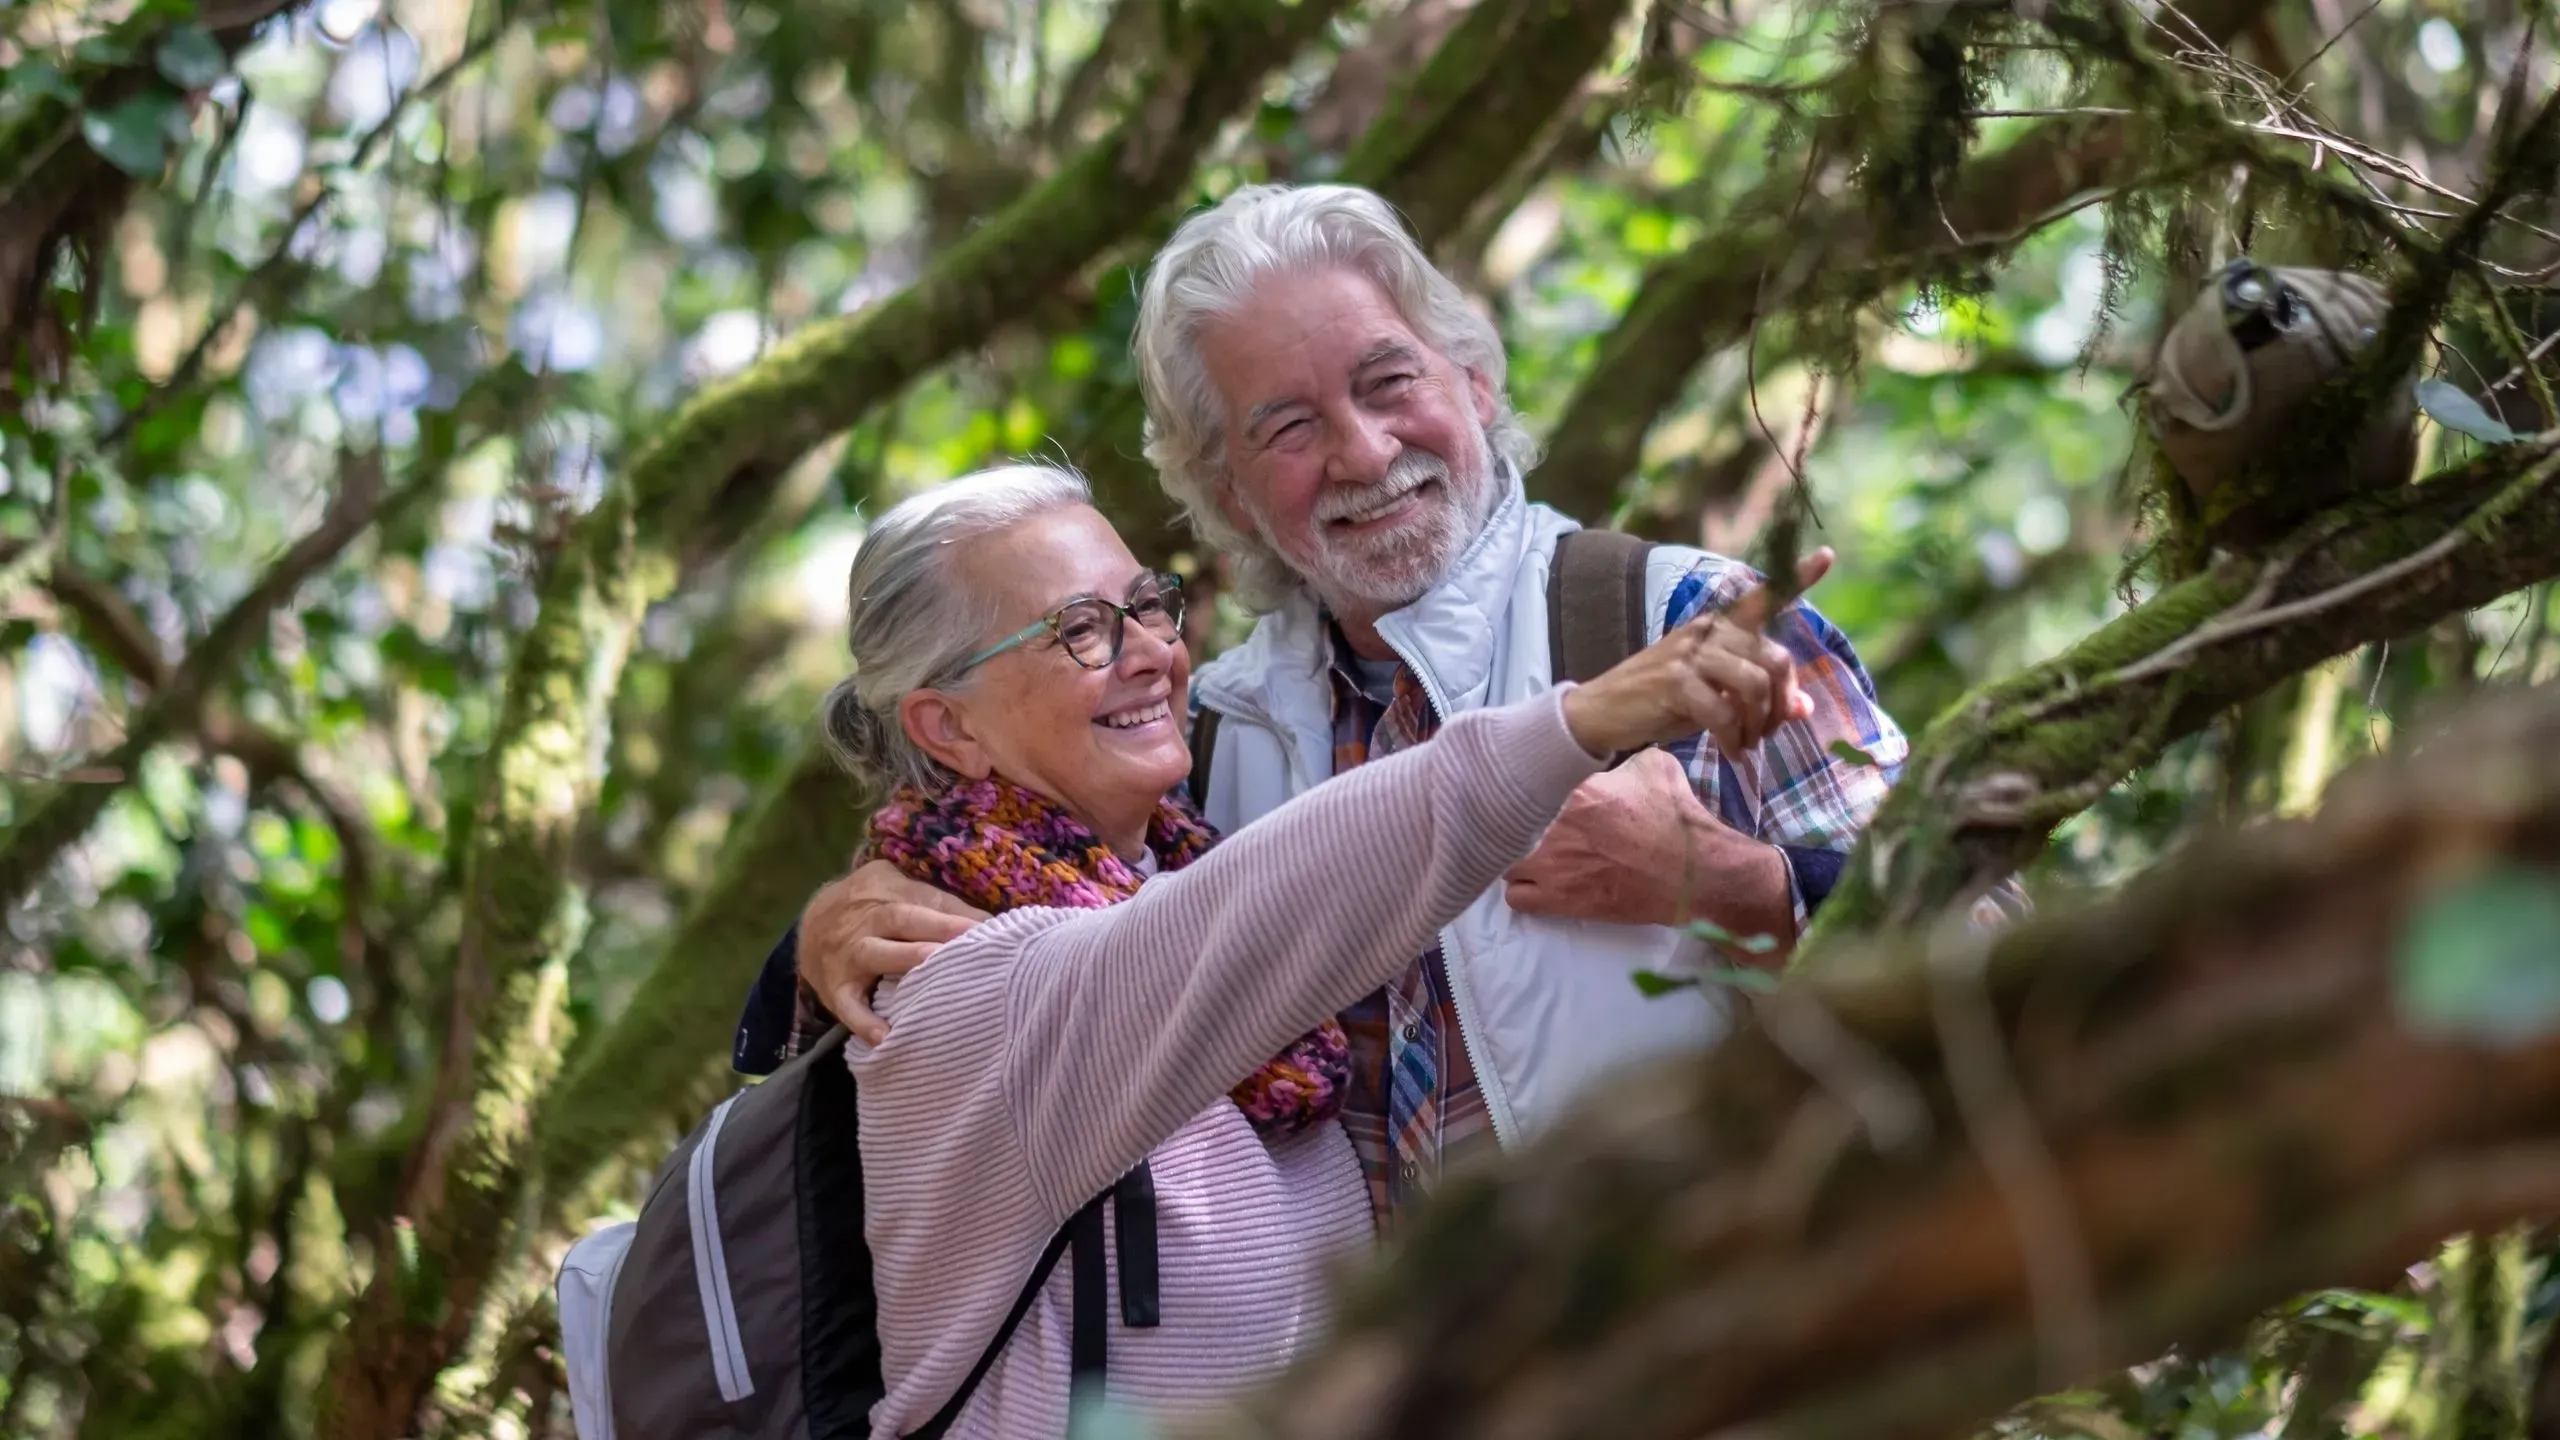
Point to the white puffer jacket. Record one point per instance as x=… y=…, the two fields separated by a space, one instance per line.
x=1545 y=1006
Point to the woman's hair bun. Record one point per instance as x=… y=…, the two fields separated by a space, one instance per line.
x=859 y=738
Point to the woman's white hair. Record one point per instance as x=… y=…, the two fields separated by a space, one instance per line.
x=912 y=624
x=1209 y=268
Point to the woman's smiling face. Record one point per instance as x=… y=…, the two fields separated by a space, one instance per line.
x=1105 y=743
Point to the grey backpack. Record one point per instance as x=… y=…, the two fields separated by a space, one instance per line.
x=739 y=1305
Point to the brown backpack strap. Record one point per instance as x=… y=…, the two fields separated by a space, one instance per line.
x=1595 y=602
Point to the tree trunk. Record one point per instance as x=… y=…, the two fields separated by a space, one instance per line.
x=522 y=917
x=675 y=1029
x=1953 y=1171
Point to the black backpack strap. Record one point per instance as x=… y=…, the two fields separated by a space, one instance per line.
x=1089 y=1333
x=1133 y=1225
x=1596 y=613
x=1204 y=751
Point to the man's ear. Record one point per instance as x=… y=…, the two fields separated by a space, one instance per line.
x=1481 y=385
x=939 y=725
x=1231 y=505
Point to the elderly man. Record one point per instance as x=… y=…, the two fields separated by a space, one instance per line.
x=1329 y=411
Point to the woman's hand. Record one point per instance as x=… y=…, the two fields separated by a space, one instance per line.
x=1717 y=673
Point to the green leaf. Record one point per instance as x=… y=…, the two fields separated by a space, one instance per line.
x=1715 y=934
x=191 y=59
x=1736 y=978
x=39 y=77
x=2480 y=958
x=133 y=136
x=1843 y=750
x=2454 y=410
x=1653 y=984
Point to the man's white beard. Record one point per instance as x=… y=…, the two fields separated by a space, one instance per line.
x=1370 y=575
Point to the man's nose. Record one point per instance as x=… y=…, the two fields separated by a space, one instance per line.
x=1362 y=451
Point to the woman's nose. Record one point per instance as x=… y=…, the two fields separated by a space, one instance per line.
x=1142 y=651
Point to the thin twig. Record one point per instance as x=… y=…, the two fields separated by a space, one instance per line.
x=2327 y=45
x=266 y=270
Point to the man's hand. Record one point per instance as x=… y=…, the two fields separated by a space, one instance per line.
x=1634 y=847
x=867 y=926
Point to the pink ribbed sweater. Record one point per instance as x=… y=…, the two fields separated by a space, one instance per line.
x=1034 y=1061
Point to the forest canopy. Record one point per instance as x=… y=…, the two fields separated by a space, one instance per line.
x=434 y=434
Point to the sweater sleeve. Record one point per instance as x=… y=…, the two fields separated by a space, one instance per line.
x=1118 y=1025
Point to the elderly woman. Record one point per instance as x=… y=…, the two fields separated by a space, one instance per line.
x=1142 y=1003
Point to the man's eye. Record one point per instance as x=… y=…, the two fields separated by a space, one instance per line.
x=1287 y=432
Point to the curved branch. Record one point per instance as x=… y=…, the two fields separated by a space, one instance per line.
x=722 y=454
x=1769 y=257
x=1465 y=120
x=1987 y=783
x=2220 y=1072
x=61 y=817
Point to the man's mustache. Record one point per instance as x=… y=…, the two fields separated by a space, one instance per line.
x=1410 y=470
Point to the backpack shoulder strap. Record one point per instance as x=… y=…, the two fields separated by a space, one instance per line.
x=1595 y=602
x=1204 y=753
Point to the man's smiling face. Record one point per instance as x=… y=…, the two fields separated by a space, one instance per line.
x=1356 y=450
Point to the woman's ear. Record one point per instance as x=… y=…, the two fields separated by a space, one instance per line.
x=939 y=725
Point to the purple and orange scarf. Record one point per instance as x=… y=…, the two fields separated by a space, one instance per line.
x=1000 y=847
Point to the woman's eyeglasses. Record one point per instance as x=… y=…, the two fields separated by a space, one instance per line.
x=1090 y=628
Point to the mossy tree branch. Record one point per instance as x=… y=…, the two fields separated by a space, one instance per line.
x=1447 y=138
x=1777 y=249
x=1986 y=784
x=522 y=916
x=723 y=453
x=675 y=1028
x=1954 y=1171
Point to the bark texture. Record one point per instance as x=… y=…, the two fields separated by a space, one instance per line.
x=522 y=916
x=676 y=1027
x=1951 y=1172
x=1987 y=783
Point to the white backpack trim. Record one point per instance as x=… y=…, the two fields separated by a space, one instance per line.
x=711 y=1266
x=585 y=1293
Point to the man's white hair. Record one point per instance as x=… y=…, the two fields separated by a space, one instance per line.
x=1210 y=267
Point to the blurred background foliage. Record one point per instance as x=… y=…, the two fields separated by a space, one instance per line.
x=474 y=253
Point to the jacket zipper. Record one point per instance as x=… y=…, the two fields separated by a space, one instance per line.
x=1497 y=1103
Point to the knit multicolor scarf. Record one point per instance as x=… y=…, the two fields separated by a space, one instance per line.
x=999 y=846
